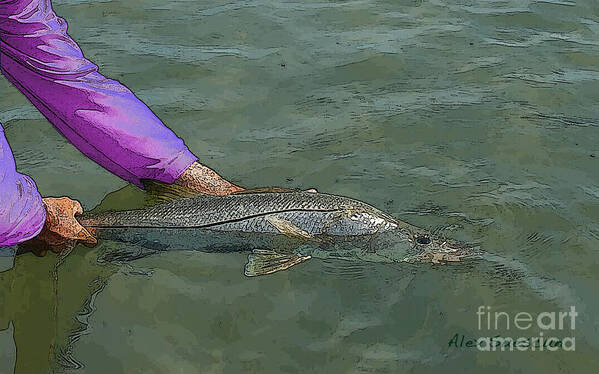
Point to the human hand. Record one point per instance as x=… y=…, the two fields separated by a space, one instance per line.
x=61 y=228
x=205 y=180
x=201 y=178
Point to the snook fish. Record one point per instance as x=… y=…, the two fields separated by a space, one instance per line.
x=281 y=228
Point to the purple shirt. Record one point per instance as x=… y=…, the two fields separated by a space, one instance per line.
x=99 y=116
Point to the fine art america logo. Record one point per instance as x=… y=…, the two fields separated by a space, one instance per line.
x=525 y=325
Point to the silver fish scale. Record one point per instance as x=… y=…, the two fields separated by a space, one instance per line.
x=204 y=211
x=313 y=222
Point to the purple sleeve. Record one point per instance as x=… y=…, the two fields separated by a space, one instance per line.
x=100 y=116
x=22 y=213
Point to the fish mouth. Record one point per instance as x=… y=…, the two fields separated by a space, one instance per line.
x=444 y=257
x=446 y=253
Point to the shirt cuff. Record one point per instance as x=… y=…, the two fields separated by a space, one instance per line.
x=177 y=166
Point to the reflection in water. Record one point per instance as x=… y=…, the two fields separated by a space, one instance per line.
x=8 y=351
x=47 y=301
x=41 y=299
x=65 y=358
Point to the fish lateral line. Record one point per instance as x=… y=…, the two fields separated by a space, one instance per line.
x=209 y=224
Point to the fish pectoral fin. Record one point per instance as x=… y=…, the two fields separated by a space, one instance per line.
x=265 y=261
x=287 y=228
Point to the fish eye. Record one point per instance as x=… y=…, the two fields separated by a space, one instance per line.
x=423 y=239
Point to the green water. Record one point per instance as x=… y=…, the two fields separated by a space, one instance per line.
x=475 y=117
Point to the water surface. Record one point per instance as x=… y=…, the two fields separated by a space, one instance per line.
x=478 y=118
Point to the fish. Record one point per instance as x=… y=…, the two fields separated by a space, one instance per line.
x=280 y=228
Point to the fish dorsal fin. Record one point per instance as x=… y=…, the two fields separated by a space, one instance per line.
x=265 y=190
x=159 y=192
x=266 y=261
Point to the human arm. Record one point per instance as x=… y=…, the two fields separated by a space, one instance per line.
x=100 y=116
x=44 y=223
x=22 y=213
